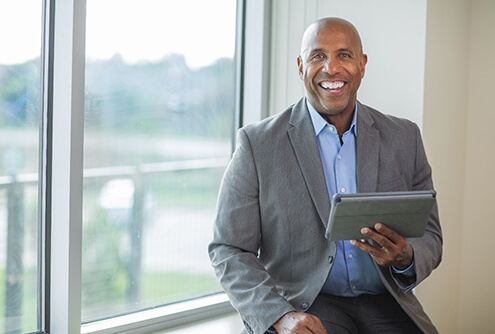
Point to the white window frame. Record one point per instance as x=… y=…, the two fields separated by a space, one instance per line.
x=67 y=166
x=62 y=173
x=254 y=60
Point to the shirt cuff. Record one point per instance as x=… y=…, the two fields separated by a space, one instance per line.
x=408 y=272
x=405 y=278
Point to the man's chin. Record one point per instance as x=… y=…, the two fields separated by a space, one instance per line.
x=331 y=110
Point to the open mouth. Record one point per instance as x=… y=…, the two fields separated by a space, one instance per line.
x=332 y=86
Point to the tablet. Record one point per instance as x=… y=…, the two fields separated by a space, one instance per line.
x=405 y=212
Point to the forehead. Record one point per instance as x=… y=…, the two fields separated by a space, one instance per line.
x=331 y=36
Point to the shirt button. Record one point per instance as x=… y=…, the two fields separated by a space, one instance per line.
x=342 y=190
x=353 y=287
x=332 y=129
x=304 y=305
x=350 y=256
x=330 y=259
x=339 y=157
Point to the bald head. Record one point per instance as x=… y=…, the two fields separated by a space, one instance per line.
x=331 y=65
x=328 y=23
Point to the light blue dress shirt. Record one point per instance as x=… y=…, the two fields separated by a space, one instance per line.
x=353 y=272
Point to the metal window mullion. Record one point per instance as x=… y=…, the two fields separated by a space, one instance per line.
x=44 y=169
x=256 y=60
x=252 y=61
x=67 y=166
x=239 y=67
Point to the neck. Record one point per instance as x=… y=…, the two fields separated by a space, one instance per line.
x=342 y=121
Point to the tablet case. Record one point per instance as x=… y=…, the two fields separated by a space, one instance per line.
x=405 y=212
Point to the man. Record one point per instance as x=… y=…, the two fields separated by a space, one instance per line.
x=269 y=249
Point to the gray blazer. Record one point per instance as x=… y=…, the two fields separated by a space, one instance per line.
x=269 y=250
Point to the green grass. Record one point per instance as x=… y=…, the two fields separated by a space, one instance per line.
x=158 y=288
x=29 y=301
x=167 y=288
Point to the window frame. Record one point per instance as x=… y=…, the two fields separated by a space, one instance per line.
x=66 y=143
x=45 y=165
x=61 y=182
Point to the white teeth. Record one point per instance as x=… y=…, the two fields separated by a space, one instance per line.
x=332 y=85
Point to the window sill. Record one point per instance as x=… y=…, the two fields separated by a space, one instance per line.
x=162 y=318
x=227 y=324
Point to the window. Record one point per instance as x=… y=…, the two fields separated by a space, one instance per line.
x=158 y=133
x=108 y=189
x=20 y=102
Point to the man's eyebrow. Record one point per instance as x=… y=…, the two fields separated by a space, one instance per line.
x=317 y=50
x=323 y=50
x=345 y=50
x=307 y=53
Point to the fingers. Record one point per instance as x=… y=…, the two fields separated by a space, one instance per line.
x=380 y=238
x=389 y=233
x=395 y=249
x=299 y=323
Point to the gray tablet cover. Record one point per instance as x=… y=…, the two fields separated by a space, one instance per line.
x=405 y=212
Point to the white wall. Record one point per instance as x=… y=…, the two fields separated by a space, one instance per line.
x=477 y=302
x=458 y=135
x=393 y=35
x=444 y=134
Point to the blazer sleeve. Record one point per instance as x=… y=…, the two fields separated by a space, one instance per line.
x=236 y=241
x=427 y=249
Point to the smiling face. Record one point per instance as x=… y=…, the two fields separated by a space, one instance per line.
x=331 y=66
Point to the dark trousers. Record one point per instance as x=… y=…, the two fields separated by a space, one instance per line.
x=363 y=314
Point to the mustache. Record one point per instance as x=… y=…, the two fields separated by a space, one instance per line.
x=332 y=77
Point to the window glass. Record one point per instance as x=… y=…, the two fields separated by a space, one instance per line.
x=159 y=121
x=20 y=101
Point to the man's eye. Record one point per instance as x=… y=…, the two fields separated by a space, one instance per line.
x=317 y=56
x=345 y=55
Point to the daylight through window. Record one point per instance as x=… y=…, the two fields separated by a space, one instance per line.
x=20 y=102
x=159 y=118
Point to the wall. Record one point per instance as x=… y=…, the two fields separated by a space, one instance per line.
x=444 y=133
x=477 y=272
x=458 y=135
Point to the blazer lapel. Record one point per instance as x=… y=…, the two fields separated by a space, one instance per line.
x=367 y=151
x=302 y=137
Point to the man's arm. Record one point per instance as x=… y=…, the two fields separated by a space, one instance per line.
x=400 y=252
x=427 y=249
x=236 y=241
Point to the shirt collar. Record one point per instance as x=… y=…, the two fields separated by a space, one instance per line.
x=319 y=122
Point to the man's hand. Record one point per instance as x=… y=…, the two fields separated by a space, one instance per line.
x=395 y=251
x=300 y=323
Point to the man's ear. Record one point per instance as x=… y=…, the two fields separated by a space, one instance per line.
x=300 y=66
x=364 y=61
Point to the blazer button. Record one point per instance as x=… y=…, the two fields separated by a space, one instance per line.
x=330 y=259
x=304 y=305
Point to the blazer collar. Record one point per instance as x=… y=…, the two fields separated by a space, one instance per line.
x=367 y=150
x=303 y=140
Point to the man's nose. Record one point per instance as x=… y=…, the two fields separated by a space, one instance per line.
x=331 y=66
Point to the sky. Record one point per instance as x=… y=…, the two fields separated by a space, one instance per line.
x=138 y=30
x=20 y=30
